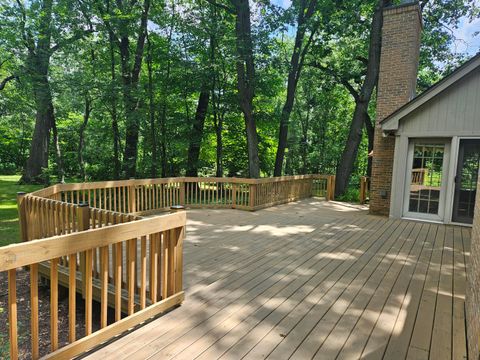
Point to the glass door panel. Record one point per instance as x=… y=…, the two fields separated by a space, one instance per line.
x=466 y=180
x=426 y=180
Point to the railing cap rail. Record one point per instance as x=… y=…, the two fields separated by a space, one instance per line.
x=35 y=251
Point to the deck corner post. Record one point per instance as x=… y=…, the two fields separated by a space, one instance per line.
x=177 y=285
x=234 y=195
x=83 y=218
x=251 y=198
x=182 y=192
x=22 y=216
x=330 y=188
x=132 y=198
x=363 y=189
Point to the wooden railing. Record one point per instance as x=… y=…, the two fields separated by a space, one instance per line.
x=145 y=269
x=418 y=176
x=150 y=195
x=91 y=238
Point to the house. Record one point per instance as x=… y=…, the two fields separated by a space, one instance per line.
x=427 y=148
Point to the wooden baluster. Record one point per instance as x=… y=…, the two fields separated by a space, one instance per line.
x=88 y=291
x=131 y=245
x=54 y=304
x=103 y=285
x=72 y=294
x=154 y=239
x=118 y=281
x=207 y=195
x=115 y=189
x=105 y=206
x=143 y=272
x=12 y=313
x=167 y=265
x=83 y=218
x=123 y=208
x=34 y=310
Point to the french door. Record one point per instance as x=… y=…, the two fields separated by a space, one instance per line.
x=466 y=180
x=426 y=179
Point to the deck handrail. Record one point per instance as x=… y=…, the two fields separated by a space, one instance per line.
x=141 y=196
x=81 y=235
x=160 y=240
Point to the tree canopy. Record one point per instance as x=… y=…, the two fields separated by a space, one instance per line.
x=116 y=89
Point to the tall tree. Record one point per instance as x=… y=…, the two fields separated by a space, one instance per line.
x=305 y=26
x=120 y=23
x=246 y=81
x=37 y=39
x=362 y=100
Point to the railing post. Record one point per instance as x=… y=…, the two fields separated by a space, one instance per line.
x=22 y=216
x=251 y=196
x=330 y=188
x=176 y=249
x=83 y=218
x=362 y=195
x=132 y=198
x=182 y=193
x=234 y=195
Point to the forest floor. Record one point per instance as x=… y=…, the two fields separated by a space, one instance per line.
x=9 y=229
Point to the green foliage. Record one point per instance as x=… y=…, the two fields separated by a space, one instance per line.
x=180 y=32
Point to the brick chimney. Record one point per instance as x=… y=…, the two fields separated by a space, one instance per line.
x=402 y=26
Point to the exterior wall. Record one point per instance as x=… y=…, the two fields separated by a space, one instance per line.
x=454 y=112
x=473 y=287
x=396 y=86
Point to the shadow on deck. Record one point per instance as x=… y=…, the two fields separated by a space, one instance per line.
x=311 y=279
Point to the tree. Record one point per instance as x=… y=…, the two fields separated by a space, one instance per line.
x=362 y=101
x=305 y=23
x=119 y=24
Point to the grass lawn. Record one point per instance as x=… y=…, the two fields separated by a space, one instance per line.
x=9 y=229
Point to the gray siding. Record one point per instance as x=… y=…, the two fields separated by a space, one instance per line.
x=456 y=111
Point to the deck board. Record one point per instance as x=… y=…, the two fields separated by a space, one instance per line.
x=311 y=279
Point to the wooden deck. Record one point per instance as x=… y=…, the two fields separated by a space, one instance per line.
x=311 y=280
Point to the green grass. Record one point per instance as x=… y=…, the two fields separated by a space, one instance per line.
x=9 y=229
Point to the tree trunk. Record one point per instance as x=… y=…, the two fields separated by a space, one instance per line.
x=246 y=81
x=349 y=155
x=196 y=133
x=81 y=142
x=296 y=63
x=163 y=112
x=113 y=103
x=38 y=63
x=130 y=77
x=350 y=151
x=58 y=155
x=38 y=158
x=370 y=129
x=151 y=103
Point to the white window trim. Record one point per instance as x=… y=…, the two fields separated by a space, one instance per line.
x=444 y=187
